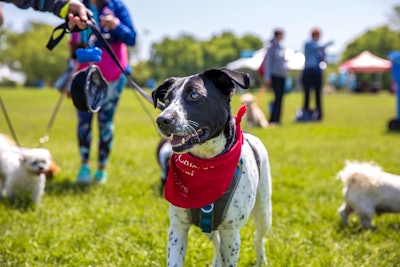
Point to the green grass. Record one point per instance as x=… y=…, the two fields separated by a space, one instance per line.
x=124 y=222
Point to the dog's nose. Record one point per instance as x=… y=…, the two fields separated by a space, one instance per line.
x=163 y=121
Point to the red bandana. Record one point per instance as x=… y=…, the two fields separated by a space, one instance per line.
x=194 y=183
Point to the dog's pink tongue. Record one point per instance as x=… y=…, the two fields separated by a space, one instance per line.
x=179 y=140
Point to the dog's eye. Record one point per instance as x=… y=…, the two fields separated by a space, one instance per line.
x=194 y=95
x=167 y=102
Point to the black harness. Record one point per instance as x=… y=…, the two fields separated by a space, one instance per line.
x=208 y=218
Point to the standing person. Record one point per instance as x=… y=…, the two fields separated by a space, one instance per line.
x=1 y=16
x=117 y=27
x=313 y=74
x=74 y=10
x=275 y=71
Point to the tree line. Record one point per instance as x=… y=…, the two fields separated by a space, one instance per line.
x=27 y=52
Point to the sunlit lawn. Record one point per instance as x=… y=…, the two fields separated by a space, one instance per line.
x=124 y=222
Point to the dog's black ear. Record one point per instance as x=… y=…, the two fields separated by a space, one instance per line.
x=160 y=92
x=223 y=78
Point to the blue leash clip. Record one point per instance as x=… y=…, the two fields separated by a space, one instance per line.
x=90 y=54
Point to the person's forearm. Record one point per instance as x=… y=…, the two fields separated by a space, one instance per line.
x=54 y=6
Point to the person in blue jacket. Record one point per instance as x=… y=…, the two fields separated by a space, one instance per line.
x=312 y=74
x=117 y=28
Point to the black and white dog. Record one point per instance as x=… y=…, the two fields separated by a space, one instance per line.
x=219 y=176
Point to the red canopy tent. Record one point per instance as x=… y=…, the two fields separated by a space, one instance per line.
x=366 y=62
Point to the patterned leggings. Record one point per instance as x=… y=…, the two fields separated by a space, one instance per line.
x=105 y=119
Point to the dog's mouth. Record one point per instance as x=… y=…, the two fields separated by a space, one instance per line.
x=183 y=143
x=37 y=172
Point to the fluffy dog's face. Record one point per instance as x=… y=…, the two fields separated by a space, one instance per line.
x=197 y=107
x=37 y=160
x=247 y=98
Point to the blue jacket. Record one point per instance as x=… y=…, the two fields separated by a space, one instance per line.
x=125 y=31
x=314 y=54
x=120 y=37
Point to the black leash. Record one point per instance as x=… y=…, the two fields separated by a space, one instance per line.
x=139 y=90
x=92 y=25
x=63 y=90
x=107 y=47
x=3 y=107
x=46 y=137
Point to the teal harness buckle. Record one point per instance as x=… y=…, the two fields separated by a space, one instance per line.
x=206 y=212
x=206 y=218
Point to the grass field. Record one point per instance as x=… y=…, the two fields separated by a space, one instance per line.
x=124 y=222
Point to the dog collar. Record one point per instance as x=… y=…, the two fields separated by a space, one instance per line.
x=195 y=183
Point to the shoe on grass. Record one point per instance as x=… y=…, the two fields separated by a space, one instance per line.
x=100 y=176
x=83 y=176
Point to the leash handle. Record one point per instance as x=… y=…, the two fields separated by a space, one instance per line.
x=55 y=40
x=64 y=29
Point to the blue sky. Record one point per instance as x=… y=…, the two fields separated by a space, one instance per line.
x=340 y=20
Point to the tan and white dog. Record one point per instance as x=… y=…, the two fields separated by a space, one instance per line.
x=254 y=116
x=368 y=190
x=7 y=143
x=24 y=169
x=211 y=157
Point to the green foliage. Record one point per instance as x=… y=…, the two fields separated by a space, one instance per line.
x=124 y=222
x=394 y=19
x=8 y=83
x=176 y=57
x=379 y=41
x=35 y=60
x=220 y=50
x=141 y=72
x=186 y=55
x=4 y=33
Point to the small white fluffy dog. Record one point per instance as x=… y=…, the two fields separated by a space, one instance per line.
x=7 y=143
x=368 y=190
x=254 y=116
x=23 y=169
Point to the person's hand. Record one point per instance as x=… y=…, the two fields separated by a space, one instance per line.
x=77 y=15
x=109 y=21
